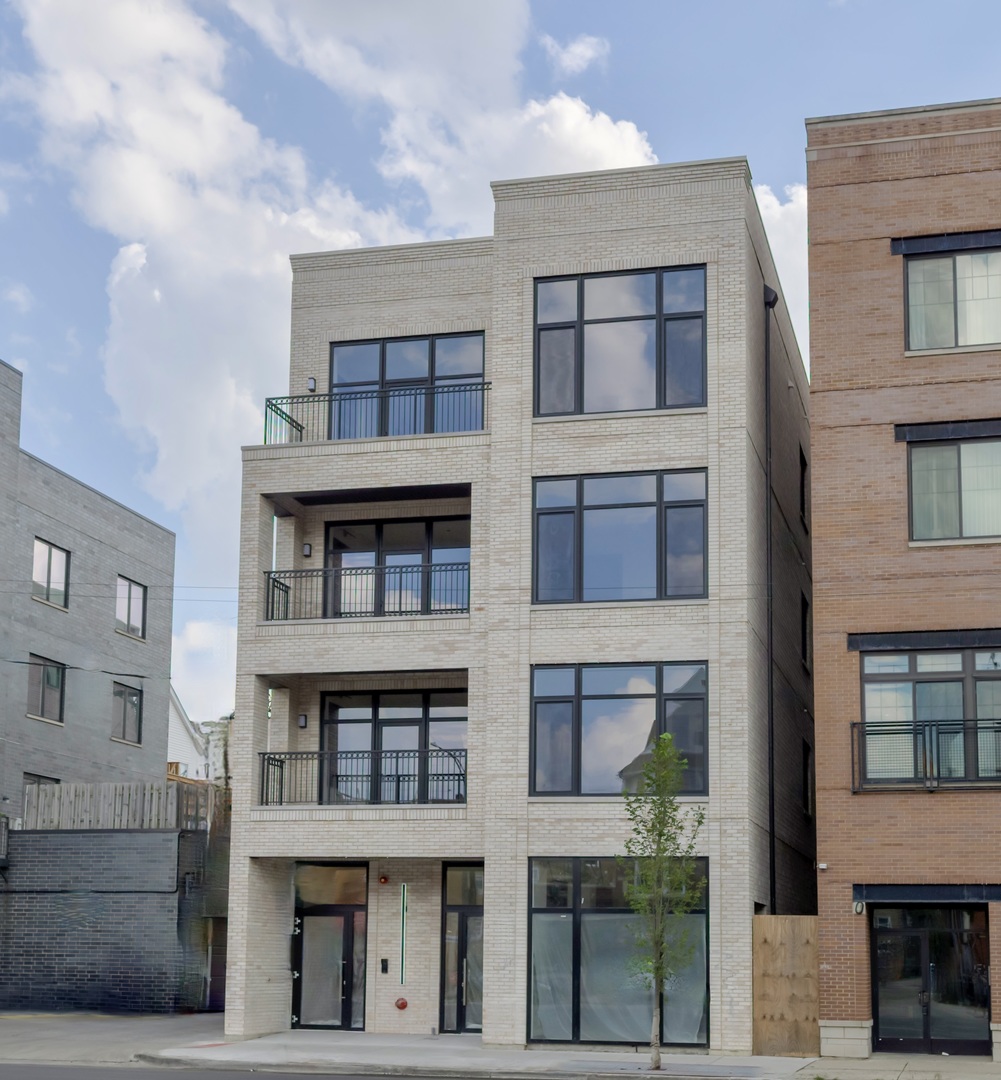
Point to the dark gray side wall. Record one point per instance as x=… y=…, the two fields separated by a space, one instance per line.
x=89 y=920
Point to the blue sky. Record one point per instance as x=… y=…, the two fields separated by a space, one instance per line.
x=159 y=160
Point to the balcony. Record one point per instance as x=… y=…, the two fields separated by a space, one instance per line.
x=367 y=591
x=363 y=777
x=397 y=412
x=926 y=753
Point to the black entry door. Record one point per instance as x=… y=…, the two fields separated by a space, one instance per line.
x=462 y=996
x=328 y=988
x=930 y=981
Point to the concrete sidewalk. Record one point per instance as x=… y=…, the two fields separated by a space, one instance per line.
x=198 y=1042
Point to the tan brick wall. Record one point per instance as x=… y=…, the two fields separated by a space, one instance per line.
x=871 y=179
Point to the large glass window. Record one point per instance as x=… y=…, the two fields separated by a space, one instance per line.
x=127 y=713
x=954 y=300
x=585 y=985
x=620 y=342
x=407 y=386
x=638 y=536
x=931 y=716
x=46 y=688
x=130 y=608
x=400 y=747
x=955 y=489
x=50 y=576
x=593 y=725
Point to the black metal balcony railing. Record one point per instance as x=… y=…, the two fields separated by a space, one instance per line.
x=330 y=777
x=926 y=753
x=369 y=414
x=353 y=592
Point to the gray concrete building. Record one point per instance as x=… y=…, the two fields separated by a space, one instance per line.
x=85 y=626
x=526 y=505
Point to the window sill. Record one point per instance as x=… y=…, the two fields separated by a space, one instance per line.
x=125 y=742
x=45 y=720
x=630 y=414
x=48 y=603
x=962 y=541
x=952 y=350
x=592 y=605
x=133 y=637
x=598 y=800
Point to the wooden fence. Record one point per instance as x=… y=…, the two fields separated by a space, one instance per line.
x=785 y=985
x=165 y=805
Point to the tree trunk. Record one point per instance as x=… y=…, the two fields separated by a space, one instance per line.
x=655 y=1030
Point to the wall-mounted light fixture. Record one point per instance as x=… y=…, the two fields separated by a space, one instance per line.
x=311 y=385
x=859 y=907
x=307 y=550
x=383 y=879
x=303 y=719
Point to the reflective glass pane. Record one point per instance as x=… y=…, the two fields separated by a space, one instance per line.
x=684 y=678
x=888 y=703
x=980 y=463
x=342 y=538
x=686 y=1004
x=988 y=732
x=938 y=701
x=614 y=490
x=620 y=295
x=684 y=486
x=890 y=754
x=401 y=706
x=615 y=1003
x=978 y=298
x=900 y=983
x=554 y=682
x=620 y=554
x=355 y=413
x=683 y=362
x=448 y=703
x=446 y=735
x=620 y=369
x=321 y=1002
x=939 y=662
x=458 y=356
x=556 y=301
x=618 y=680
x=358 y=971
x=603 y=883
x=330 y=885
x=122 y=599
x=988 y=661
x=464 y=885
x=552 y=883
x=557 y=371
x=40 y=569
x=458 y=405
x=407 y=359
x=57 y=576
x=958 y=971
x=450 y=541
x=555 y=580
x=685 y=550
x=473 y=983
x=450 y=963
x=684 y=290
x=553 y=747
x=555 y=493
x=551 y=1004
x=883 y=664
x=406 y=411
x=930 y=310
x=356 y=363
x=616 y=736
x=404 y=536
x=686 y=721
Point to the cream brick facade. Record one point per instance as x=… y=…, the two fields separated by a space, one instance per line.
x=660 y=216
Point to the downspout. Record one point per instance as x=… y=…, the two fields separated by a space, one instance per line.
x=771 y=298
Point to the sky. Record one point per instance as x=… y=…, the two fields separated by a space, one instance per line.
x=160 y=159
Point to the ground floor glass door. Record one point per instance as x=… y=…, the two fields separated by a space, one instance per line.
x=462 y=950
x=930 y=980
x=329 y=944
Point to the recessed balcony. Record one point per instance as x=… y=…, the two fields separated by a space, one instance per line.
x=926 y=754
x=440 y=588
x=363 y=777
x=390 y=412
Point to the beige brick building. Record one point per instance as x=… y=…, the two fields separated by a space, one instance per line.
x=510 y=523
x=905 y=309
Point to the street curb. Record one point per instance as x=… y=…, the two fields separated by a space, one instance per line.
x=349 y=1068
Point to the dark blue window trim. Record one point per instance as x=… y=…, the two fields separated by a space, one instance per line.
x=924 y=245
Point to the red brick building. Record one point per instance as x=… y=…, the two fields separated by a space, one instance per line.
x=905 y=296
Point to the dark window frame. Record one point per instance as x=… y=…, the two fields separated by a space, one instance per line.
x=575 y=910
x=659 y=696
x=119 y=719
x=41 y=664
x=578 y=509
x=381 y=523
x=658 y=316
x=804 y=490
x=45 y=592
x=923 y=443
x=126 y=626
x=947 y=248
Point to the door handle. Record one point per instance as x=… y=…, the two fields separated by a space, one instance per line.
x=924 y=997
x=464 y=982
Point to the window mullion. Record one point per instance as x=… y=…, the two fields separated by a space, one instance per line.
x=955 y=303
x=577 y=732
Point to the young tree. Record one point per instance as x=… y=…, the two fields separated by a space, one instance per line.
x=668 y=883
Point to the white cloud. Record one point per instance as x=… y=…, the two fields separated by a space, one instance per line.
x=4 y=203
x=203 y=668
x=20 y=296
x=785 y=223
x=577 y=55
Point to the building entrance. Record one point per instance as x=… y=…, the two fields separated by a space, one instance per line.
x=930 y=974
x=462 y=950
